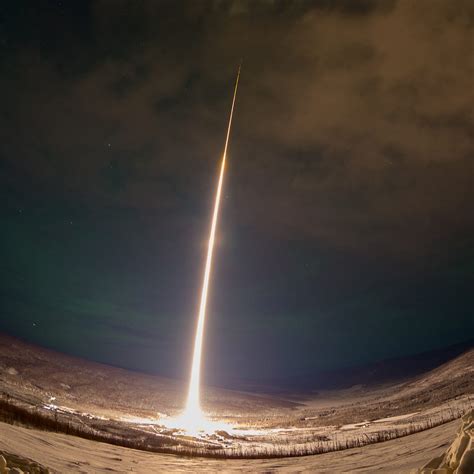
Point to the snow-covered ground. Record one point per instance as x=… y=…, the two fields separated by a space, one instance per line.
x=136 y=410
x=62 y=453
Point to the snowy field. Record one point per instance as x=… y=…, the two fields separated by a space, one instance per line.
x=72 y=398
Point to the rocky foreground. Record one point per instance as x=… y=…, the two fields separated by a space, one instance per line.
x=459 y=457
x=11 y=464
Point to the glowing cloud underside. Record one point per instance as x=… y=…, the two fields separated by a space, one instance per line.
x=193 y=418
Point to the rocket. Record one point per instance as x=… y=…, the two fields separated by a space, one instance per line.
x=193 y=402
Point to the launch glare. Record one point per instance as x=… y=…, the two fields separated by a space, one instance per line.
x=193 y=419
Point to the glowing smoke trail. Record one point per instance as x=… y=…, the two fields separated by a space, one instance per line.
x=193 y=406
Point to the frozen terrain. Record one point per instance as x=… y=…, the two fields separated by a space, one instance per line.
x=73 y=399
x=63 y=453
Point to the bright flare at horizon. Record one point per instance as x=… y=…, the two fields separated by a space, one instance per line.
x=193 y=418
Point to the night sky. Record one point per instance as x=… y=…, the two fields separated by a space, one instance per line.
x=347 y=230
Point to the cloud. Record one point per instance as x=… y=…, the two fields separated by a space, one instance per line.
x=354 y=119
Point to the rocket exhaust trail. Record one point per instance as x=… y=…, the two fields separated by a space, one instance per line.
x=193 y=406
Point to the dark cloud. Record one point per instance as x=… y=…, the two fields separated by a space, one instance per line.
x=376 y=95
